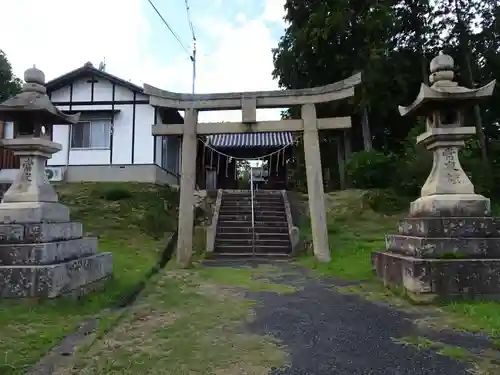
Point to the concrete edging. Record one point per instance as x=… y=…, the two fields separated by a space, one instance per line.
x=293 y=231
x=212 y=229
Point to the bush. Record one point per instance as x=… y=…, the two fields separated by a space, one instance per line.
x=370 y=169
x=411 y=172
x=385 y=201
x=116 y=194
x=156 y=222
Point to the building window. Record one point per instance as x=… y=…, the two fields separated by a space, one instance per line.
x=94 y=134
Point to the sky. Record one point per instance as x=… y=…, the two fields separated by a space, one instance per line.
x=235 y=39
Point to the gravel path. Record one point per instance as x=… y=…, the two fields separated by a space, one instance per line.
x=330 y=333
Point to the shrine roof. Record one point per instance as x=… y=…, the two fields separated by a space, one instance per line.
x=249 y=140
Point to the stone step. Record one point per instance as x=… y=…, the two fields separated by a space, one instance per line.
x=248 y=223
x=248 y=217
x=245 y=249
x=253 y=256
x=250 y=235
x=281 y=230
x=239 y=202
x=249 y=199
x=281 y=242
x=256 y=207
x=248 y=210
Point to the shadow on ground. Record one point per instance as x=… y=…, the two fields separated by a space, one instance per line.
x=329 y=333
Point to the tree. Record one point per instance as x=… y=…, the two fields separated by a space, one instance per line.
x=391 y=42
x=9 y=84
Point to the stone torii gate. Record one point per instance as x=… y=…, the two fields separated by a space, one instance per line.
x=248 y=102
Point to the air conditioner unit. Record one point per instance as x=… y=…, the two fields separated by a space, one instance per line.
x=55 y=173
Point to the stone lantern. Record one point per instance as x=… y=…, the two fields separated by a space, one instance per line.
x=42 y=253
x=449 y=245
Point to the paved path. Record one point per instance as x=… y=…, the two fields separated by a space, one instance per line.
x=330 y=333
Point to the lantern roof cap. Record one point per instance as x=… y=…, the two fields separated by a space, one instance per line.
x=33 y=103
x=444 y=91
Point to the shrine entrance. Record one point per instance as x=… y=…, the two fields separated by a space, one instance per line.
x=248 y=102
x=225 y=161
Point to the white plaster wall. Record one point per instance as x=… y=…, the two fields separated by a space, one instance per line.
x=122 y=135
x=60 y=135
x=61 y=95
x=82 y=91
x=88 y=157
x=144 y=118
x=103 y=90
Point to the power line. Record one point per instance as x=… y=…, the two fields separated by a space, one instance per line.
x=169 y=28
x=189 y=20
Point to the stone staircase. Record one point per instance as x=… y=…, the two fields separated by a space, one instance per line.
x=234 y=235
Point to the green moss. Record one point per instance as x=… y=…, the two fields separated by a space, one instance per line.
x=451 y=255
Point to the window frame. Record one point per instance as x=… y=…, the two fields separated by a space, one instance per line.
x=90 y=121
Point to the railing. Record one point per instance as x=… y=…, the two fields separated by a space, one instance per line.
x=253 y=215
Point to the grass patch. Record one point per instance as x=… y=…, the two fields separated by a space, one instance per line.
x=355 y=230
x=253 y=279
x=185 y=323
x=485 y=362
x=124 y=226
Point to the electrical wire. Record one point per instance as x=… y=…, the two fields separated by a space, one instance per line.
x=189 y=21
x=169 y=28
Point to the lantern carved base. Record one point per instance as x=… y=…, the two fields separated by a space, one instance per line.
x=43 y=254
x=448 y=257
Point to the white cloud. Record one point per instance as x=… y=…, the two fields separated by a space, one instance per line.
x=274 y=11
x=62 y=35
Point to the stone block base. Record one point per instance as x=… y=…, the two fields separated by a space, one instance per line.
x=444 y=247
x=451 y=205
x=423 y=280
x=53 y=280
x=33 y=212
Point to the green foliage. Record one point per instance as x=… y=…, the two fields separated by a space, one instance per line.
x=155 y=221
x=9 y=84
x=116 y=194
x=159 y=219
x=385 y=201
x=391 y=43
x=370 y=169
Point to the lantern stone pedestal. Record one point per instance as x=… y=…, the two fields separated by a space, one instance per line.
x=449 y=245
x=42 y=253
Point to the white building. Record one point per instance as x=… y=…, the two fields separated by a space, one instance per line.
x=113 y=141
